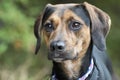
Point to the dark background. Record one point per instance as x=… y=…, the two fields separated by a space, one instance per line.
x=17 y=41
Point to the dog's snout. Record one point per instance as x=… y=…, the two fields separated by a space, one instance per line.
x=57 y=46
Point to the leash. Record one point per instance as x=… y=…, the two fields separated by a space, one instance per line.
x=90 y=69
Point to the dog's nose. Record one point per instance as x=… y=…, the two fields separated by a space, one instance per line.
x=57 y=46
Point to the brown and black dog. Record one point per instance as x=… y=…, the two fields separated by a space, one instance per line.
x=75 y=35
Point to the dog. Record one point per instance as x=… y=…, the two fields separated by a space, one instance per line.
x=75 y=35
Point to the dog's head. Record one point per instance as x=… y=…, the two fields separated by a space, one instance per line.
x=69 y=28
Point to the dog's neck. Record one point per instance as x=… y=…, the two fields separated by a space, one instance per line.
x=67 y=70
x=72 y=69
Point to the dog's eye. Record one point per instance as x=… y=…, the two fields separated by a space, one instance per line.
x=75 y=25
x=48 y=27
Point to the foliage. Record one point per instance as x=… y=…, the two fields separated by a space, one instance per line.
x=17 y=41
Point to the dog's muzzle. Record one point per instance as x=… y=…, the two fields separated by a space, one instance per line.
x=59 y=53
x=57 y=50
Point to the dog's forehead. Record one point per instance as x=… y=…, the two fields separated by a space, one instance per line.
x=64 y=5
x=62 y=9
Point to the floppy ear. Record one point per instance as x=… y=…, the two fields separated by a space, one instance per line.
x=100 y=25
x=36 y=32
x=38 y=25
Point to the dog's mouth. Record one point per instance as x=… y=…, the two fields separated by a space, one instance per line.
x=57 y=57
x=60 y=57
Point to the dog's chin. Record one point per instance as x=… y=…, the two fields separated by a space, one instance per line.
x=62 y=59
x=56 y=59
x=59 y=60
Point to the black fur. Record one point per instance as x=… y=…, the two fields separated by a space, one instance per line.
x=99 y=25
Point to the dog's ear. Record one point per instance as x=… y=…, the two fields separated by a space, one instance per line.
x=38 y=26
x=100 y=25
x=37 y=33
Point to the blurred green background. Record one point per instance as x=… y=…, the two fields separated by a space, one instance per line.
x=17 y=41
